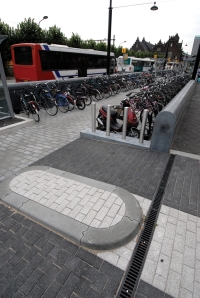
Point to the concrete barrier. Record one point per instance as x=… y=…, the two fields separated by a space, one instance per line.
x=169 y=119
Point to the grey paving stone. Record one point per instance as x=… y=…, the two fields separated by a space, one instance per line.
x=96 y=163
x=133 y=169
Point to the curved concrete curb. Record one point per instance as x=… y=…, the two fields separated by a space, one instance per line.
x=94 y=238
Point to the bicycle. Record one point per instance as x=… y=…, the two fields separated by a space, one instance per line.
x=30 y=106
x=44 y=99
x=73 y=99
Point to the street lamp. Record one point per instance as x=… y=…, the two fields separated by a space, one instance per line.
x=121 y=43
x=44 y=18
x=153 y=8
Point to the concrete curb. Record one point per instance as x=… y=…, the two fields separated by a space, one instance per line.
x=87 y=236
x=13 y=127
x=114 y=138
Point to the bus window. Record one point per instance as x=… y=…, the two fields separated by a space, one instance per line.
x=23 y=55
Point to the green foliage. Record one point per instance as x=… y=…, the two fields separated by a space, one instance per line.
x=89 y=44
x=74 y=41
x=101 y=46
x=29 y=31
x=5 y=49
x=54 y=35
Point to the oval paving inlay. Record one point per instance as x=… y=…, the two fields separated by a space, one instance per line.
x=92 y=206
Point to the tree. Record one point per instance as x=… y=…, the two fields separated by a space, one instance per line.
x=5 y=29
x=29 y=31
x=54 y=35
x=75 y=41
x=89 y=44
x=101 y=46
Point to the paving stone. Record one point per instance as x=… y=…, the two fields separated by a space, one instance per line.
x=173 y=283
x=135 y=165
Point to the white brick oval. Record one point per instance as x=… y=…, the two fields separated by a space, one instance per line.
x=92 y=206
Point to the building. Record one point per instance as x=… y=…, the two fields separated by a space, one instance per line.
x=195 y=45
x=172 y=49
x=142 y=46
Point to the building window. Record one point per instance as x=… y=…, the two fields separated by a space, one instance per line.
x=158 y=49
x=136 y=46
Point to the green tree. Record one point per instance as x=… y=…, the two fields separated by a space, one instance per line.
x=5 y=29
x=75 y=41
x=54 y=35
x=89 y=44
x=101 y=46
x=28 y=31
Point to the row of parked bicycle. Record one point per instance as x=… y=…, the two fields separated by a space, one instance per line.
x=153 y=97
x=64 y=96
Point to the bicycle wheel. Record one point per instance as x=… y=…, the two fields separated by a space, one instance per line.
x=50 y=106
x=63 y=105
x=34 y=111
x=70 y=102
x=80 y=103
x=24 y=107
x=95 y=96
x=148 y=122
x=114 y=90
x=133 y=133
x=88 y=100
x=107 y=93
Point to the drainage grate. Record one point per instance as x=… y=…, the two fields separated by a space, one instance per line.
x=134 y=271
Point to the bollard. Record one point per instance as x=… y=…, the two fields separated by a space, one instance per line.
x=145 y=114
x=108 y=120
x=125 y=123
x=93 y=116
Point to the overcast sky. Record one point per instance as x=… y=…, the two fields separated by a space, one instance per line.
x=89 y=18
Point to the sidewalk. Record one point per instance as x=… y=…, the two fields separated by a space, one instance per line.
x=38 y=262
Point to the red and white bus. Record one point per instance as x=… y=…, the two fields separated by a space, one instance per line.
x=37 y=62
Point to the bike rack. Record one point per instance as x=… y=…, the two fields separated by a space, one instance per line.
x=141 y=140
x=125 y=123
x=108 y=120
x=93 y=116
x=93 y=110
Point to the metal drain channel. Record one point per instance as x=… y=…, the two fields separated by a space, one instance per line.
x=131 y=279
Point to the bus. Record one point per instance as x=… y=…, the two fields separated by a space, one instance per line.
x=133 y=64
x=37 y=62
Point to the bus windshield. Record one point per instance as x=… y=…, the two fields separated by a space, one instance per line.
x=23 y=55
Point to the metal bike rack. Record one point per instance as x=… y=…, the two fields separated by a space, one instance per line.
x=125 y=123
x=145 y=113
x=108 y=120
x=93 y=116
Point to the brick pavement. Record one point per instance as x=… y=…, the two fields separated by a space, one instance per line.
x=90 y=205
x=170 y=271
x=135 y=169
x=36 y=262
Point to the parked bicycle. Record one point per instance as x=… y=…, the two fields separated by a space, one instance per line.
x=28 y=105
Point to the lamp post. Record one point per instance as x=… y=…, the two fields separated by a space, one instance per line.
x=121 y=43
x=44 y=18
x=153 y=8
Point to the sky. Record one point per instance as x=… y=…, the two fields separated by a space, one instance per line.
x=130 y=19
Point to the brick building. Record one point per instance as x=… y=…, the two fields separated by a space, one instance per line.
x=173 y=48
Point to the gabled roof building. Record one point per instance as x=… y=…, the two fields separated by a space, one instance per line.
x=172 y=48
